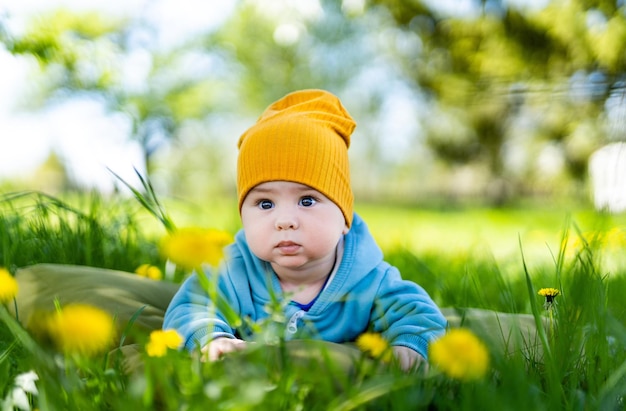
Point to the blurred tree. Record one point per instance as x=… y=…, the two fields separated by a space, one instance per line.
x=87 y=55
x=481 y=69
x=273 y=48
x=498 y=79
x=263 y=51
x=52 y=176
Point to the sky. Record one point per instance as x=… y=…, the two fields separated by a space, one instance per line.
x=87 y=138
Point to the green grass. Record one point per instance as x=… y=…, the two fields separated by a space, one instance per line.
x=37 y=228
x=481 y=258
x=483 y=230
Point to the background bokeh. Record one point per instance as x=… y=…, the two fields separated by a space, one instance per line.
x=492 y=103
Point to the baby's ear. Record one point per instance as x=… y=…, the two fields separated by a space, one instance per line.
x=345 y=229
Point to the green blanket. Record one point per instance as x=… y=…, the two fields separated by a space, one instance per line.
x=126 y=295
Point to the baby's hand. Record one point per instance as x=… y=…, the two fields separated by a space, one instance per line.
x=220 y=346
x=409 y=360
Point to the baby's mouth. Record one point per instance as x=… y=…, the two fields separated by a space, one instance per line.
x=288 y=247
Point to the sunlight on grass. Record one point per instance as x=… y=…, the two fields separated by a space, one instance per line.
x=496 y=232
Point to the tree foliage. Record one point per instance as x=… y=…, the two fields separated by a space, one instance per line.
x=89 y=55
x=487 y=70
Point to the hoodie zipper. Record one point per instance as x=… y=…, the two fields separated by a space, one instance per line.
x=292 y=324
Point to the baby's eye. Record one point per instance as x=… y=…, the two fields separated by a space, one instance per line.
x=265 y=204
x=307 y=201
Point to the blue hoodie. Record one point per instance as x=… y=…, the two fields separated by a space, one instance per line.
x=366 y=294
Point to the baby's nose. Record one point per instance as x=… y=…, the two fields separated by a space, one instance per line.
x=287 y=220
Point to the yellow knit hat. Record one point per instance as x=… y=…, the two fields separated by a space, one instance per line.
x=303 y=138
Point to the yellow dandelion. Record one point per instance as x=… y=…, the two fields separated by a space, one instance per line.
x=549 y=293
x=191 y=247
x=460 y=355
x=149 y=271
x=374 y=345
x=81 y=329
x=161 y=340
x=8 y=286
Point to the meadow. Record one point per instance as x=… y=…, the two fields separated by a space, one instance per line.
x=466 y=258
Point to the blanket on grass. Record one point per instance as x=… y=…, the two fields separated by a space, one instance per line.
x=133 y=299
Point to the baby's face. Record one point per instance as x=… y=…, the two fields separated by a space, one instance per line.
x=293 y=226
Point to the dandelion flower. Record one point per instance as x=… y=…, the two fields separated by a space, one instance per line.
x=161 y=340
x=460 y=355
x=8 y=286
x=149 y=271
x=81 y=329
x=191 y=247
x=375 y=345
x=549 y=293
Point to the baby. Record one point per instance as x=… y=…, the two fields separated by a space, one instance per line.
x=302 y=241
